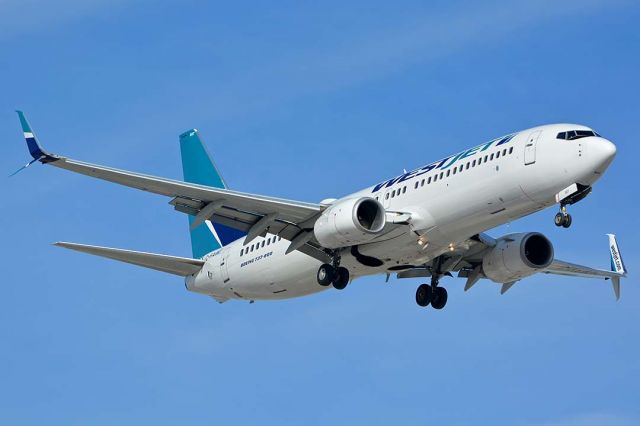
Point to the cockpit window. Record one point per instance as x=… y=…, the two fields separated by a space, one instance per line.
x=576 y=134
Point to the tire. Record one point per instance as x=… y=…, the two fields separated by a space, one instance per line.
x=566 y=222
x=326 y=274
x=424 y=295
x=341 y=279
x=439 y=298
x=558 y=219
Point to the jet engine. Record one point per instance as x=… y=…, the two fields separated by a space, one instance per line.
x=517 y=256
x=350 y=222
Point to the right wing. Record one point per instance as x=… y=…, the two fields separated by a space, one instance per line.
x=251 y=213
x=618 y=270
x=467 y=261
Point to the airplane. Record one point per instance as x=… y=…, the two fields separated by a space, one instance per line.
x=426 y=223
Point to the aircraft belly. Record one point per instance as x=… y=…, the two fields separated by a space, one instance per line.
x=278 y=276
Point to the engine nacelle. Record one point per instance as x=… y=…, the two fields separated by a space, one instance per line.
x=350 y=222
x=517 y=256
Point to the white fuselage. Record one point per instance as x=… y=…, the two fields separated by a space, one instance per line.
x=449 y=201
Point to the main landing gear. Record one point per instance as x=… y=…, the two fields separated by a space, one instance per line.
x=562 y=218
x=431 y=294
x=336 y=275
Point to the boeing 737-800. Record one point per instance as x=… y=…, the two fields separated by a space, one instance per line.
x=428 y=222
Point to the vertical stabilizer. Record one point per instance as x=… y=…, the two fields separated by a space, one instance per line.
x=198 y=167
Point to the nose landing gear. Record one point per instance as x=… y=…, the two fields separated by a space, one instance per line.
x=563 y=218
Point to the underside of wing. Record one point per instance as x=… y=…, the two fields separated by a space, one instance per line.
x=559 y=267
x=237 y=210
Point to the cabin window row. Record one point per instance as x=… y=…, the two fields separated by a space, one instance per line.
x=457 y=169
x=259 y=244
x=461 y=168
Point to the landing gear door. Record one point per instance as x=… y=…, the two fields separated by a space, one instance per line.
x=530 y=148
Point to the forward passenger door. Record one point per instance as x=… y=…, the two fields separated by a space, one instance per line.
x=530 y=148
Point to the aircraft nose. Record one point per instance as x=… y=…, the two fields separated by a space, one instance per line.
x=605 y=150
x=602 y=151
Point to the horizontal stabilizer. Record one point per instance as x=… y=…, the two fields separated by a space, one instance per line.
x=182 y=266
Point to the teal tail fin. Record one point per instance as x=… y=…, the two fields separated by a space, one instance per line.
x=198 y=167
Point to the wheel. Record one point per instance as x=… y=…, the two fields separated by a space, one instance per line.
x=423 y=295
x=559 y=219
x=439 y=298
x=326 y=274
x=341 y=279
x=566 y=222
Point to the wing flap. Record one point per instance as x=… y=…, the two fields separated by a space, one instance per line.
x=181 y=266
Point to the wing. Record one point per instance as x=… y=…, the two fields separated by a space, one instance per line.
x=467 y=261
x=251 y=213
x=618 y=270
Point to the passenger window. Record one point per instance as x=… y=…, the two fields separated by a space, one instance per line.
x=429 y=180
x=404 y=189
x=486 y=158
x=504 y=152
x=241 y=251
x=491 y=158
x=386 y=196
x=263 y=243
x=454 y=170
x=393 y=193
x=498 y=154
x=510 y=150
x=435 y=178
x=422 y=184
x=416 y=186
x=473 y=164
x=441 y=175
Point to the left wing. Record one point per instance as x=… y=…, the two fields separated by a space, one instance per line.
x=251 y=213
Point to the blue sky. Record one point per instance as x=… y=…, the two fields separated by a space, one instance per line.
x=306 y=100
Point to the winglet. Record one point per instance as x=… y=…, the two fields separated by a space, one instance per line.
x=615 y=282
x=617 y=264
x=35 y=149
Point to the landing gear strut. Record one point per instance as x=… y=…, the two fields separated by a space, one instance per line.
x=333 y=274
x=563 y=218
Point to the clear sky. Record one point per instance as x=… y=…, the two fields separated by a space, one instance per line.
x=306 y=100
